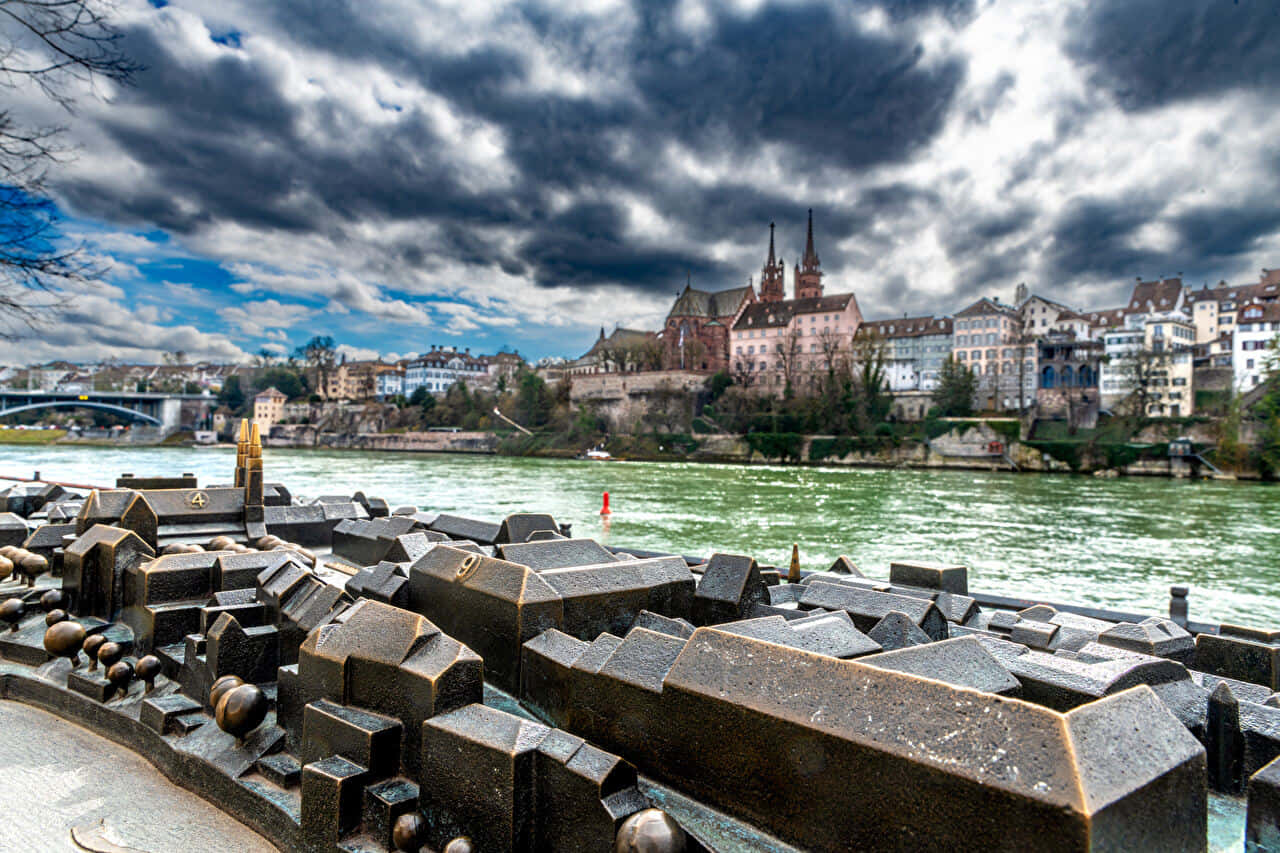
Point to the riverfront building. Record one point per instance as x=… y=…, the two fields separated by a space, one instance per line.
x=1256 y=326
x=779 y=342
x=915 y=348
x=622 y=351
x=988 y=339
x=440 y=369
x=695 y=335
x=1148 y=365
x=268 y=409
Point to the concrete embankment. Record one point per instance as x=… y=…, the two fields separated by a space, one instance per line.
x=302 y=435
x=976 y=447
x=972 y=446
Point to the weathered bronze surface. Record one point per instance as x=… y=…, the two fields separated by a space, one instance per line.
x=64 y=639
x=241 y=709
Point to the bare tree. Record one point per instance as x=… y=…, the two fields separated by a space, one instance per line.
x=1143 y=371
x=53 y=46
x=692 y=354
x=835 y=354
x=743 y=375
x=789 y=354
x=321 y=355
x=649 y=354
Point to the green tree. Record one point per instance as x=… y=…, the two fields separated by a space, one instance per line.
x=288 y=382
x=1268 y=412
x=956 y=387
x=869 y=392
x=533 y=401
x=424 y=401
x=718 y=384
x=232 y=395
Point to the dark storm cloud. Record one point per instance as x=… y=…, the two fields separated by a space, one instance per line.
x=1153 y=52
x=1214 y=235
x=234 y=147
x=587 y=245
x=1093 y=237
x=799 y=77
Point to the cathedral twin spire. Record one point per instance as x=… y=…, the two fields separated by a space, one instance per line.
x=808 y=274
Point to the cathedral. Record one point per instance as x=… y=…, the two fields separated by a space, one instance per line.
x=808 y=274
x=699 y=332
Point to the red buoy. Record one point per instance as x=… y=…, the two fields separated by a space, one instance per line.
x=605 y=509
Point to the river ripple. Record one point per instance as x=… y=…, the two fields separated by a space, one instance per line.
x=1117 y=543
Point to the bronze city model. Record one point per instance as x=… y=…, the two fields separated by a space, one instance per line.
x=342 y=677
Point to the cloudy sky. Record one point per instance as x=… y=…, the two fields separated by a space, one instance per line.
x=399 y=174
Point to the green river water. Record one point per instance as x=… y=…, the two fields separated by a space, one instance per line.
x=1117 y=543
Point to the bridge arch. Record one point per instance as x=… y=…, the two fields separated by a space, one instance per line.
x=82 y=404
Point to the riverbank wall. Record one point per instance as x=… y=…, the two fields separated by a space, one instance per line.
x=969 y=445
x=306 y=435
x=974 y=446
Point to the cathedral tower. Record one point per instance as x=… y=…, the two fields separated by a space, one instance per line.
x=772 y=286
x=809 y=272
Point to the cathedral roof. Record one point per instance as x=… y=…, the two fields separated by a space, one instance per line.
x=701 y=303
x=772 y=314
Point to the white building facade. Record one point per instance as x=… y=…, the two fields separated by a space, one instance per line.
x=441 y=369
x=1256 y=326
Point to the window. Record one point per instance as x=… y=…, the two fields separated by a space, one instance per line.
x=960 y=356
x=751 y=350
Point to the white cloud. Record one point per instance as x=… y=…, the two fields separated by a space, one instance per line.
x=253 y=319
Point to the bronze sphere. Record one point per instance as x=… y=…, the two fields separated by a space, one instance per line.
x=12 y=612
x=109 y=654
x=147 y=668
x=650 y=831
x=64 y=639
x=221 y=687
x=119 y=675
x=54 y=599
x=221 y=543
x=461 y=844
x=7 y=551
x=53 y=617
x=410 y=832
x=6 y=567
x=34 y=565
x=173 y=548
x=91 y=645
x=241 y=710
